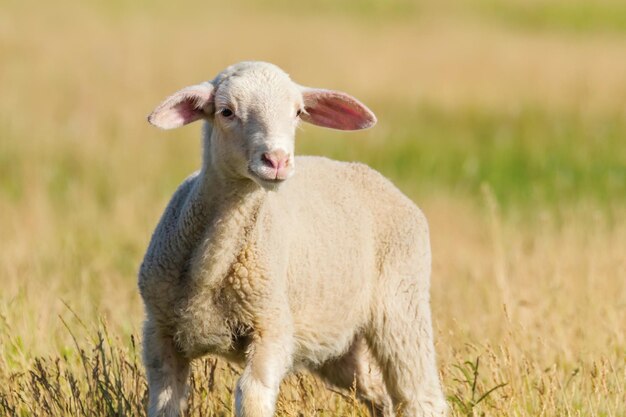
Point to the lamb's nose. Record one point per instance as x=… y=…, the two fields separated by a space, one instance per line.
x=277 y=159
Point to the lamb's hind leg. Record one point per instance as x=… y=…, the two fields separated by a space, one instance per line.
x=167 y=372
x=357 y=369
x=401 y=339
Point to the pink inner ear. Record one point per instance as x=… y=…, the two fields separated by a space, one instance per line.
x=183 y=107
x=336 y=110
x=187 y=111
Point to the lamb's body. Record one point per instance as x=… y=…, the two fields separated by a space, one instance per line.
x=341 y=243
x=330 y=272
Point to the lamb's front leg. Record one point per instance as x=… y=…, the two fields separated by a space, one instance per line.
x=167 y=373
x=267 y=362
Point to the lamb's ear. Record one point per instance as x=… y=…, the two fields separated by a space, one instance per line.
x=183 y=107
x=335 y=110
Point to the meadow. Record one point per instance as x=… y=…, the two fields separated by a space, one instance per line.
x=504 y=121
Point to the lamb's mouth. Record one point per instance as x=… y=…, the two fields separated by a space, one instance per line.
x=264 y=181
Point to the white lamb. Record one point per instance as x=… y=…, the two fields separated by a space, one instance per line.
x=325 y=268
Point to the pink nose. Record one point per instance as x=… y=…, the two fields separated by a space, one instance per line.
x=277 y=160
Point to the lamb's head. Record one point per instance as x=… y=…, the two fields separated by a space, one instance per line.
x=253 y=109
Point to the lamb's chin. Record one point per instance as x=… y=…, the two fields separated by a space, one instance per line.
x=268 y=185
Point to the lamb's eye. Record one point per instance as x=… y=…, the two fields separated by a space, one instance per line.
x=227 y=113
x=299 y=112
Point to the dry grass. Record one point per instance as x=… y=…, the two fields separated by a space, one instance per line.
x=530 y=294
x=541 y=308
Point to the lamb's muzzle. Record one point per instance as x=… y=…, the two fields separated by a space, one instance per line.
x=278 y=160
x=274 y=165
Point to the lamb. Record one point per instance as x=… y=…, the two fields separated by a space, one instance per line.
x=326 y=268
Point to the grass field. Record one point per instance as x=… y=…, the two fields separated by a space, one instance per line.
x=504 y=121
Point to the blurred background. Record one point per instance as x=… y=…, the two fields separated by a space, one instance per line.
x=504 y=120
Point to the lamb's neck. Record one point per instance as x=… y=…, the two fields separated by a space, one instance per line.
x=222 y=191
x=223 y=197
x=232 y=211
x=231 y=206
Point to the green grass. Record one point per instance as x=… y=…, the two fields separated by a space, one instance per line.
x=562 y=15
x=577 y=16
x=528 y=157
